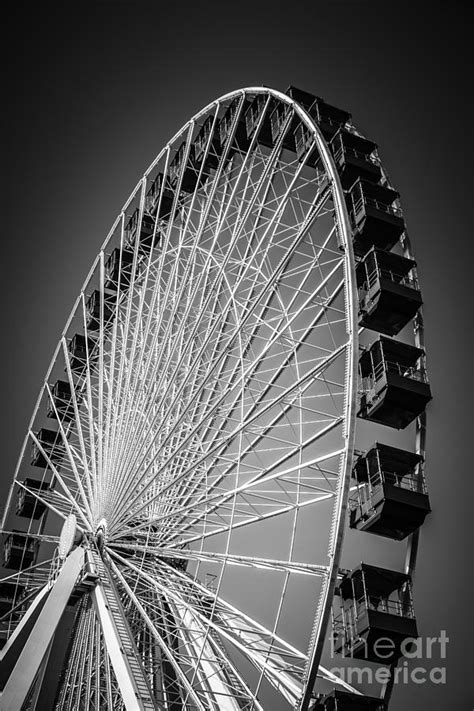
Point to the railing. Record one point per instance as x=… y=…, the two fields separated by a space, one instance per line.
x=324 y=118
x=155 y=188
x=345 y=150
x=360 y=497
x=277 y=119
x=303 y=139
x=374 y=276
x=133 y=222
x=404 y=279
x=346 y=621
x=412 y=480
x=344 y=627
x=360 y=203
x=254 y=113
x=368 y=387
x=411 y=372
x=389 y=366
x=339 y=626
x=178 y=161
x=225 y=123
x=386 y=605
x=201 y=140
x=153 y=194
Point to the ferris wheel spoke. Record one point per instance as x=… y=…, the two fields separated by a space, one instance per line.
x=114 y=342
x=170 y=281
x=184 y=666
x=46 y=500
x=38 y=589
x=190 y=591
x=215 y=605
x=118 y=363
x=262 y=433
x=121 y=393
x=248 y=520
x=147 y=272
x=229 y=464
x=70 y=455
x=241 y=378
x=230 y=559
x=77 y=419
x=150 y=397
x=211 y=501
x=87 y=664
x=139 y=405
x=100 y=367
x=250 y=643
x=185 y=346
x=273 y=667
x=67 y=492
x=69 y=683
x=272 y=222
x=286 y=393
x=197 y=399
x=226 y=686
x=132 y=330
x=267 y=385
x=192 y=514
x=91 y=424
x=257 y=433
x=250 y=631
x=91 y=662
x=193 y=612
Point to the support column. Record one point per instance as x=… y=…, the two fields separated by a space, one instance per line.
x=29 y=662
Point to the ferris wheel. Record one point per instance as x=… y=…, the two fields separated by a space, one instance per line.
x=173 y=537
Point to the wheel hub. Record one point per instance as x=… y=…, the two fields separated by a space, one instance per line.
x=101 y=534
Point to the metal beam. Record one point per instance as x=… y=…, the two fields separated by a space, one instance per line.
x=29 y=662
x=15 y=643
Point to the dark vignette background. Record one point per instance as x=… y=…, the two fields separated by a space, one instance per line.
x=91 y=93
